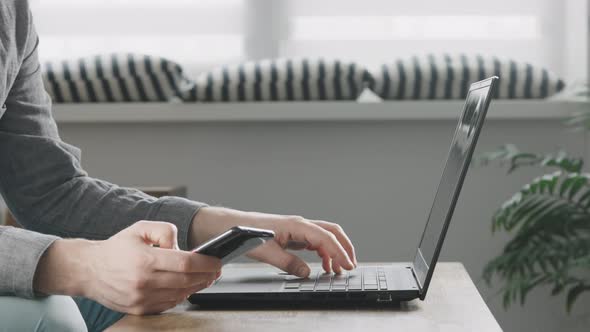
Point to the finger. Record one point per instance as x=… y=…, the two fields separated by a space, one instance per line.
x=176 y=280
x=189 y=291
x=277 y=256
x=336 y=268
x=162 y=234
x=341 y=236
x=317 y=237
x=183 y=261
x=173 y=295
x=326 y=260
x=294 y=245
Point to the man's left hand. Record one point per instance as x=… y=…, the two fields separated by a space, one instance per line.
x=327 y=239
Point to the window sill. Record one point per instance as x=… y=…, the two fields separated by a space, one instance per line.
x=305 y=111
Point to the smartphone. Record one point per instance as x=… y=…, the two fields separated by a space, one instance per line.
x=234 y=242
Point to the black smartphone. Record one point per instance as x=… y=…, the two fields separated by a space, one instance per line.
x=234 y=242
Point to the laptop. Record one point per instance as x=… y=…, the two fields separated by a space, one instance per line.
x=377 y=284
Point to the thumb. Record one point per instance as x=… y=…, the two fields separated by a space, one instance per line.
x=274 y=255
x=159 y=233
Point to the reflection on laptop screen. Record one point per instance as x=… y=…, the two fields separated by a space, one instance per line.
x=457 y=160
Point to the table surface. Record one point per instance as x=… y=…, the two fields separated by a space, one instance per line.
x=452 y=304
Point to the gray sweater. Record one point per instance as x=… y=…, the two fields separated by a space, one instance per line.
x=41 y=179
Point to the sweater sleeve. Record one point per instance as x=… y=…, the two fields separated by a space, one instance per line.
x=20 y=251
x=44 y=184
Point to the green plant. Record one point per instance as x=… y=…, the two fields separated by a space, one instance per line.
x=550 y=222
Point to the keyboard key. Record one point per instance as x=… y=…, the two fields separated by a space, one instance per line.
x=355 y=281
x=338 y=287
x=339 y=280
x=291 y=285
x=370 y=281
x=371 y=287
x=355 y=287
x=322 y=287
x=382 y=285
x=289 y=278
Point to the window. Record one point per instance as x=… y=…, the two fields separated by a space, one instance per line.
x=374 y=31
x=203 y=33
x=197 y=34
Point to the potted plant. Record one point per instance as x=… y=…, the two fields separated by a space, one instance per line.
x=549 y=220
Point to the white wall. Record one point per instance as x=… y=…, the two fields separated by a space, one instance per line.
x=375 y=178
x=574 y=60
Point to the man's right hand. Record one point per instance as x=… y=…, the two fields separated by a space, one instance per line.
x=127 y=272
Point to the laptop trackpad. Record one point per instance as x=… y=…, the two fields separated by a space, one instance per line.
x=261 y=279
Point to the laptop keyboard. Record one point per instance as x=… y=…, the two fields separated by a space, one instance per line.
x=366 y=278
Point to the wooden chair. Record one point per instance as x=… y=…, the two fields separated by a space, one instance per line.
x=180 y=191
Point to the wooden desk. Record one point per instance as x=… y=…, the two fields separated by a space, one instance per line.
x=452 y=304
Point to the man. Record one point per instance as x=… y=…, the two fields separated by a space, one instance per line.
x=87 y=256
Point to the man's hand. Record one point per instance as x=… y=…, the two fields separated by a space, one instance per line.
x=139 y=270
x=291 y=232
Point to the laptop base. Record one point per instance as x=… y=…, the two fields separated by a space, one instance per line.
x=248 y=285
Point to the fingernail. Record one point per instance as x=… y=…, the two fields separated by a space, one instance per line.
x=302 y=271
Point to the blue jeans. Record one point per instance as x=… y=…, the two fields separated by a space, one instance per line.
x=55 y=313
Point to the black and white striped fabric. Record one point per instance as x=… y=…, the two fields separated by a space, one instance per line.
x=114 y=78
x=281 y=80
x=447 y=76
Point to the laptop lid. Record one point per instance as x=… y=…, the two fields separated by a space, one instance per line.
x=458 y=159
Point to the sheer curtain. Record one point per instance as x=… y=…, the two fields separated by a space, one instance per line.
x=377 y=30
x=198 y=34
x=204 y=33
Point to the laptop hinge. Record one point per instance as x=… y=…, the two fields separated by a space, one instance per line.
x=415 y=278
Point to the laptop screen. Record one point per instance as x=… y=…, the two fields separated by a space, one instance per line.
x=462 y=147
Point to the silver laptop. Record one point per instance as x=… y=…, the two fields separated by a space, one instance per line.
x=257 y=284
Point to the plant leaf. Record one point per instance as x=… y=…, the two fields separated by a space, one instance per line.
x=550 y=222
x=510 y=155
x=573 y=294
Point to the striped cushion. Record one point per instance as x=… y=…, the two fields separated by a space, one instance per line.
x=281 y=79
x=448 y=77
x=114 y=78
